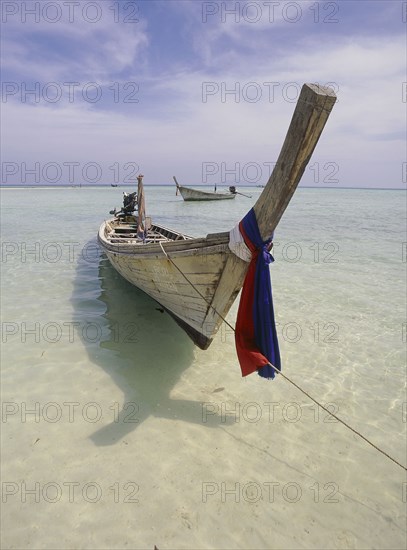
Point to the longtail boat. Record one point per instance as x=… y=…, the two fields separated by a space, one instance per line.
x=189 y=194
x=196 y=280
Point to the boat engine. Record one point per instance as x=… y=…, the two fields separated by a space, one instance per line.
x=129 y=205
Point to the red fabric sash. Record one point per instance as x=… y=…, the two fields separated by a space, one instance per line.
x=250 y=358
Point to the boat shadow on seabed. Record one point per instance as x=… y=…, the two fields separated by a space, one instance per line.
x=136 y=343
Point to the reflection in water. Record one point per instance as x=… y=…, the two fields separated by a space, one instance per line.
x=141 y=348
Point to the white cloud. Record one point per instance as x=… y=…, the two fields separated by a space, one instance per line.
x=72 y=51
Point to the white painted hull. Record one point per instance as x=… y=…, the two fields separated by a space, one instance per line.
x=189 y=194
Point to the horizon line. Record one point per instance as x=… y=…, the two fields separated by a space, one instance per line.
x=107 y=185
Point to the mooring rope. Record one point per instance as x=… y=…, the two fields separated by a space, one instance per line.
x=286 y=377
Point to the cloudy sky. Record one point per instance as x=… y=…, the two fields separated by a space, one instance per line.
x=97 y=91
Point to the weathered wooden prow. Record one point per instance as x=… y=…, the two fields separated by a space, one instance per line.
x=311 y=113
x=177 y=184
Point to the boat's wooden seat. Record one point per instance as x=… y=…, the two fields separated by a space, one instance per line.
x=126 y=233
x=131 y=238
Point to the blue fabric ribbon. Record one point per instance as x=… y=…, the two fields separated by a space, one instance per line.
x=263 y=311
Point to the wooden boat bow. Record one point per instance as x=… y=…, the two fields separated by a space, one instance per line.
x=311 y=113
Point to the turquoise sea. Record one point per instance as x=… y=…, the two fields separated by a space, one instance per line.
x=117 y=432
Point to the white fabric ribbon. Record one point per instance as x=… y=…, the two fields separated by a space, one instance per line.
x=238 y=246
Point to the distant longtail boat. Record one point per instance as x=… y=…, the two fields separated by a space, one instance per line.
x=189 y=194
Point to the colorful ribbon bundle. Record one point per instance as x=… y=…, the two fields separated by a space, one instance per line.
x=256 y=335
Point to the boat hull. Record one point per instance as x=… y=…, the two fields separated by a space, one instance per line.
x=196 y=281
x=197 y=195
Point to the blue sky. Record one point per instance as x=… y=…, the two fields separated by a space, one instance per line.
x=96 y=91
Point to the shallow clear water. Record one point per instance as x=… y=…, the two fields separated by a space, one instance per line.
x=118 y=433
